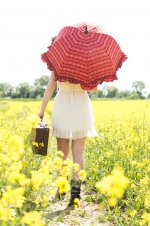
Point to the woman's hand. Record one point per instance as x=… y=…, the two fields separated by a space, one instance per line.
x=40 y=114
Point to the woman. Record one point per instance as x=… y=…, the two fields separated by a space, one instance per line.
x=72 y=120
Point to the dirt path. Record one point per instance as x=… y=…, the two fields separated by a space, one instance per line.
x=88 y=214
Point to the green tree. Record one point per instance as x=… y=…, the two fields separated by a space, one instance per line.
x=40 y=85
x=33 y=93
x=99 y=93
x=23 y=90
x=6 y=89
x=91 y=95
x=112 y=91
x=123 y=93
x=134 y=95
x=148 y=96
x=138 y=87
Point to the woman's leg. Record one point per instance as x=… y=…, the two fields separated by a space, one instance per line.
x=63 y=145
x=78 y=157
x=78 y=154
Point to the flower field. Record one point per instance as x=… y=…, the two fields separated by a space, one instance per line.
x=117 y=164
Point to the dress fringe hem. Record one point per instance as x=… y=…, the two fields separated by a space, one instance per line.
x=74 y=135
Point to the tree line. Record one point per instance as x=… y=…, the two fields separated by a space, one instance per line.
x=35 y=91
x=24 y=90
x=137 y=92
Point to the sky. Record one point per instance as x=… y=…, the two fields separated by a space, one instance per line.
x=26 y=29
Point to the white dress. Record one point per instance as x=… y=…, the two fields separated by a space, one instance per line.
x=72 y=114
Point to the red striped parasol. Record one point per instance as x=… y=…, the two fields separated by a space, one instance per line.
x=84 y=54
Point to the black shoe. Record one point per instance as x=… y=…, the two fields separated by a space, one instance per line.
x=75 y=192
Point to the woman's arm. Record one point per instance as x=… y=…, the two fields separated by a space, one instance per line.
x=47 y=94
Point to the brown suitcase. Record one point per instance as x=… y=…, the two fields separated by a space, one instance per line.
x=39 y=138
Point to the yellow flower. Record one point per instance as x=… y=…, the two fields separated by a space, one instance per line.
x=133 y=186
x=15 y=166
x=113 y=185
x=15 y=143
x=146 y=217
x=13 y=197
x=133 y=213
x=104 y=185
x=119 y=178
x=38 y=178
x=82 y=175
x=112 y=201
x=68 y=162
x=139 y=175
x=4 y=159
x=58 y=163
x=15 y=147
x=147 y=199
x=32 y=218
x=76 y=167
x=35 y=144
x=65 y=171
x=62 y=184
x=60 y=153
x=76 y=203
x=34 y=120
x=45 y=199
x=129 y=152
x=133 y=162
x=109 y=153
x=146 y=161
x=41 y=144
x=15 y=177
x=3 y=137
x=6 y=213
x=145 y=181
x=24 y=163
x=115 y=192
x=47 y=164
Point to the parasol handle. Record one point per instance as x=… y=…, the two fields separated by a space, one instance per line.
x=86 y=31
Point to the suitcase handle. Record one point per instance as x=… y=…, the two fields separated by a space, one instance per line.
x=42 y=124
